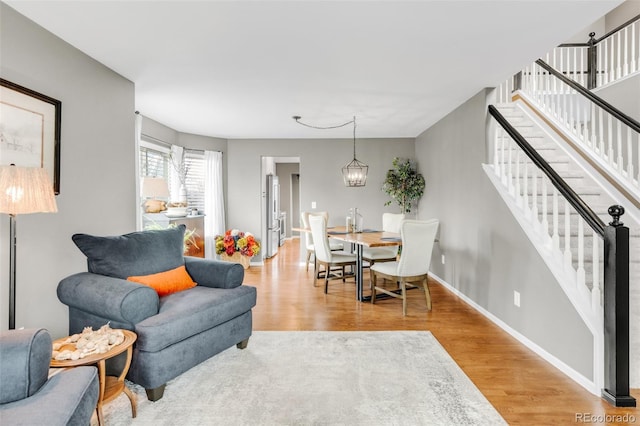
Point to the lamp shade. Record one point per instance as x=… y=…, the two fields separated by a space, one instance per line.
x=26 y=190
x=153 y=187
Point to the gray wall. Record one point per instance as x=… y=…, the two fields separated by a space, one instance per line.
x=621 y=14
x=611 y=20
x=166 y=134
x=618 y=95
x=158 y=131
x=208 y=143
x=321 y=162
x=97 y=167
x=487 y=255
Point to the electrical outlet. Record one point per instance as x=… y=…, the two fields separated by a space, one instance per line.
x=443 y=259
x=313 y=204
x=516 y=298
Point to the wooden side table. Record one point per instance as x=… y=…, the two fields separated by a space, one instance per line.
x=110 y=386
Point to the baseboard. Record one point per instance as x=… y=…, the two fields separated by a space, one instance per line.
x=557 y=363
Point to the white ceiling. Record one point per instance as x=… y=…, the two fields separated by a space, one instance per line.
x=242 y=69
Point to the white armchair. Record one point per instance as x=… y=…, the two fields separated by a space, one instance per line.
x=418 y=238
x=334 y=262
x=308 y=238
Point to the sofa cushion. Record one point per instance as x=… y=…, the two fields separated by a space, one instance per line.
x=134 y=254
x=167 y=282
x=188 y=313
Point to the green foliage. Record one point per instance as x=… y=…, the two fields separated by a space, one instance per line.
x=403 y=184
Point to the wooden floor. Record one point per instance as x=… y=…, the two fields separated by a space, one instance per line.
x=524 y=388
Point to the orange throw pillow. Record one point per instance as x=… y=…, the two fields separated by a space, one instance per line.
x=167 y=282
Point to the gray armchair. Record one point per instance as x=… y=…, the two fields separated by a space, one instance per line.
x=175 y=331
x=29 y=397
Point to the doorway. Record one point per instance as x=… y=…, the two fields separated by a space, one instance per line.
x=287 y=172
x=289 y=176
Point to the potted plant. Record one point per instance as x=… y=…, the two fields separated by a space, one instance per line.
x=403 y=184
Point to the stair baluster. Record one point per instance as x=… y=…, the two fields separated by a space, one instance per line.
x=567 y=236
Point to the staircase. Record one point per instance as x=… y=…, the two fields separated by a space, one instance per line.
x=560 y=157
x=570 y=248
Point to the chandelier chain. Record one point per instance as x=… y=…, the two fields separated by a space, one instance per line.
x=297 y=118
x=354 y=136
x=355 y=172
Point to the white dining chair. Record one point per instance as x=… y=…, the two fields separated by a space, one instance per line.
x=412 y=269
x=390 y=223
x=334 y=262
x=308 y=238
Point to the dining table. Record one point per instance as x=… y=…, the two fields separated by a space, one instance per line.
x=360 y=240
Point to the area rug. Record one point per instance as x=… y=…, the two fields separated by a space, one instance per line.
x=318 y=378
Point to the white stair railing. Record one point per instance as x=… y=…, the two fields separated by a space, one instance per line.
x=556 y=227
x=619 y=54
x=603 y=133
x=599 y=62
x=567 y=238
x=571 y=60
x=504 y=92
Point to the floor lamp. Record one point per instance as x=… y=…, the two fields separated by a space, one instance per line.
x=23 y=190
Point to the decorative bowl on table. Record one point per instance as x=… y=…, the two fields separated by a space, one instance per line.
x=176 y=211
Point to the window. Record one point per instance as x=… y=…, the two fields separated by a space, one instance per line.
x=154 y=160
x=194 y=179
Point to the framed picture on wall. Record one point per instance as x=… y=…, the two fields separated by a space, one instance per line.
x=30 y=130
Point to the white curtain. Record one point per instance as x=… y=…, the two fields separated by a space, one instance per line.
x=176 y=168
x=138 y=135
x=214 y=221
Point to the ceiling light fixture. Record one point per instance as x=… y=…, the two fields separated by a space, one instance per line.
x=355 y=172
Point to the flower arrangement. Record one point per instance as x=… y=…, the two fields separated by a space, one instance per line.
x=234 y=240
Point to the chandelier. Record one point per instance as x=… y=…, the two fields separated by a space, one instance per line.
x=355 y=172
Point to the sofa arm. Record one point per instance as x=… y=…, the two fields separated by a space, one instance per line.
x=67 y=398
x=112 y=298
x=214 y=273
x=25 y=355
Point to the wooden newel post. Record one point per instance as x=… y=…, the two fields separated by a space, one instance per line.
x=616 y=312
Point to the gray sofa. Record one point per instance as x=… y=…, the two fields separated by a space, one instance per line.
x=29 y=397
x=175 y=332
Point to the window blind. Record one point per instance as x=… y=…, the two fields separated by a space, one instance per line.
x=153 y=163
x=194 y=179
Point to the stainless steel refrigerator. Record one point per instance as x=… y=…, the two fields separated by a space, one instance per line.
x=273 y=215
